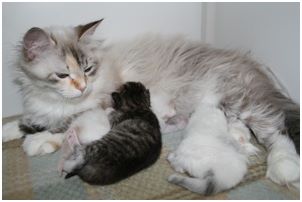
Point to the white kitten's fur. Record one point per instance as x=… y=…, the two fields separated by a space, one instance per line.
x=206 y=148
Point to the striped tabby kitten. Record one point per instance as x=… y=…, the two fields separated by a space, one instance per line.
x=132 y=144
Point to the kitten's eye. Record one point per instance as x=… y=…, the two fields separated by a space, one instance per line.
x=62 y=75
x=88 y=69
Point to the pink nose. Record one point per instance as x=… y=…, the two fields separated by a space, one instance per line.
x=82 y=88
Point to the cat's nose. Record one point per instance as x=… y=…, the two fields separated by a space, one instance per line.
x=82 y=88
x=79 y=84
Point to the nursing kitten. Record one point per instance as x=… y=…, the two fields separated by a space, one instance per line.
x=206 y=148
x=132 y=144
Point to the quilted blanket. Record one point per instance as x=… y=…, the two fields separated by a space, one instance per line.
x=26 y=177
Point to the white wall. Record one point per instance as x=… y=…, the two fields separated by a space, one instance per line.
x=122 y=20
x=269 y=30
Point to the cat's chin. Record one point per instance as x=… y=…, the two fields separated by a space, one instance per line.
x=72 y=96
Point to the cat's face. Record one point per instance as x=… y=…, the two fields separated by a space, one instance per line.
x=62 y=60
x=131 y=95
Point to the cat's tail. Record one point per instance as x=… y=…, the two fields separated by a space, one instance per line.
x=292 y=123
x=204 y=186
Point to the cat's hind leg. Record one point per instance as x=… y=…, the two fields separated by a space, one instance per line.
x=270 y=125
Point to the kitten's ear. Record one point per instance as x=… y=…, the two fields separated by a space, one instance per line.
x=148 y=97
x=88 y=29
x=35 y=41
x=148 y=93
x=117 y=101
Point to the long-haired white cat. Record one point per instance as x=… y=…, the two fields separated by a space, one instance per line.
x=208 y=147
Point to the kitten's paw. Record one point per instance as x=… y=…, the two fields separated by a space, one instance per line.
x=175 y=179
x=42 y=143
x=284 y=168
x=171 y=156
x=10 y=131
x=175 y=163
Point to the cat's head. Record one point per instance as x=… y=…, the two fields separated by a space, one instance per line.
x=130 y=96
x=61 y=59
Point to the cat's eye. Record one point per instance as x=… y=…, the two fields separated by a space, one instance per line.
x=88 y=69
x=62 y=75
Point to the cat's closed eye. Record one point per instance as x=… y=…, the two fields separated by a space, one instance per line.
x=61 y=75
x=88 y=69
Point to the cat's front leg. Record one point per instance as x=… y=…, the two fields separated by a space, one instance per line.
x=11 y=131
x=42 y=143
x=114 y=117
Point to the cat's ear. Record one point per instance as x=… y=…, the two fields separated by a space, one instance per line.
x=88 y=29
x=35 y=41
x=117 y=101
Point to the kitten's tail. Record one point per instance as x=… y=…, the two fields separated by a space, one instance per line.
x=205 y=186
x=71 y=174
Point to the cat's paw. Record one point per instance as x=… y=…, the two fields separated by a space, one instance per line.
x=175 y=164
x=171 y=156
x=42 y=143
x=10 y=131
x=284 y=168
x=175 y=179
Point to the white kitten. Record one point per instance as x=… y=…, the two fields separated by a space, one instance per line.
x=206 y=148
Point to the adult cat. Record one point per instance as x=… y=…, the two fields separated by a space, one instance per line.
x=62 y=71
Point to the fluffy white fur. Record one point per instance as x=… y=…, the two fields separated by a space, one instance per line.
x=42 y=143
x=284 y=163
x=243 y=136
x=91 y=125
x=10 y=131
x=206 y=148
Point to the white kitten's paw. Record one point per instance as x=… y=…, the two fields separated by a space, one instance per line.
x=175 y=164
x=284 y=168
x=10 y=131
x=171 y=156
x=42 y=143
x=175 y=179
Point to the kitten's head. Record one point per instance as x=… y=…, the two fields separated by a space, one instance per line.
x=131 y=95
x=61 y=59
